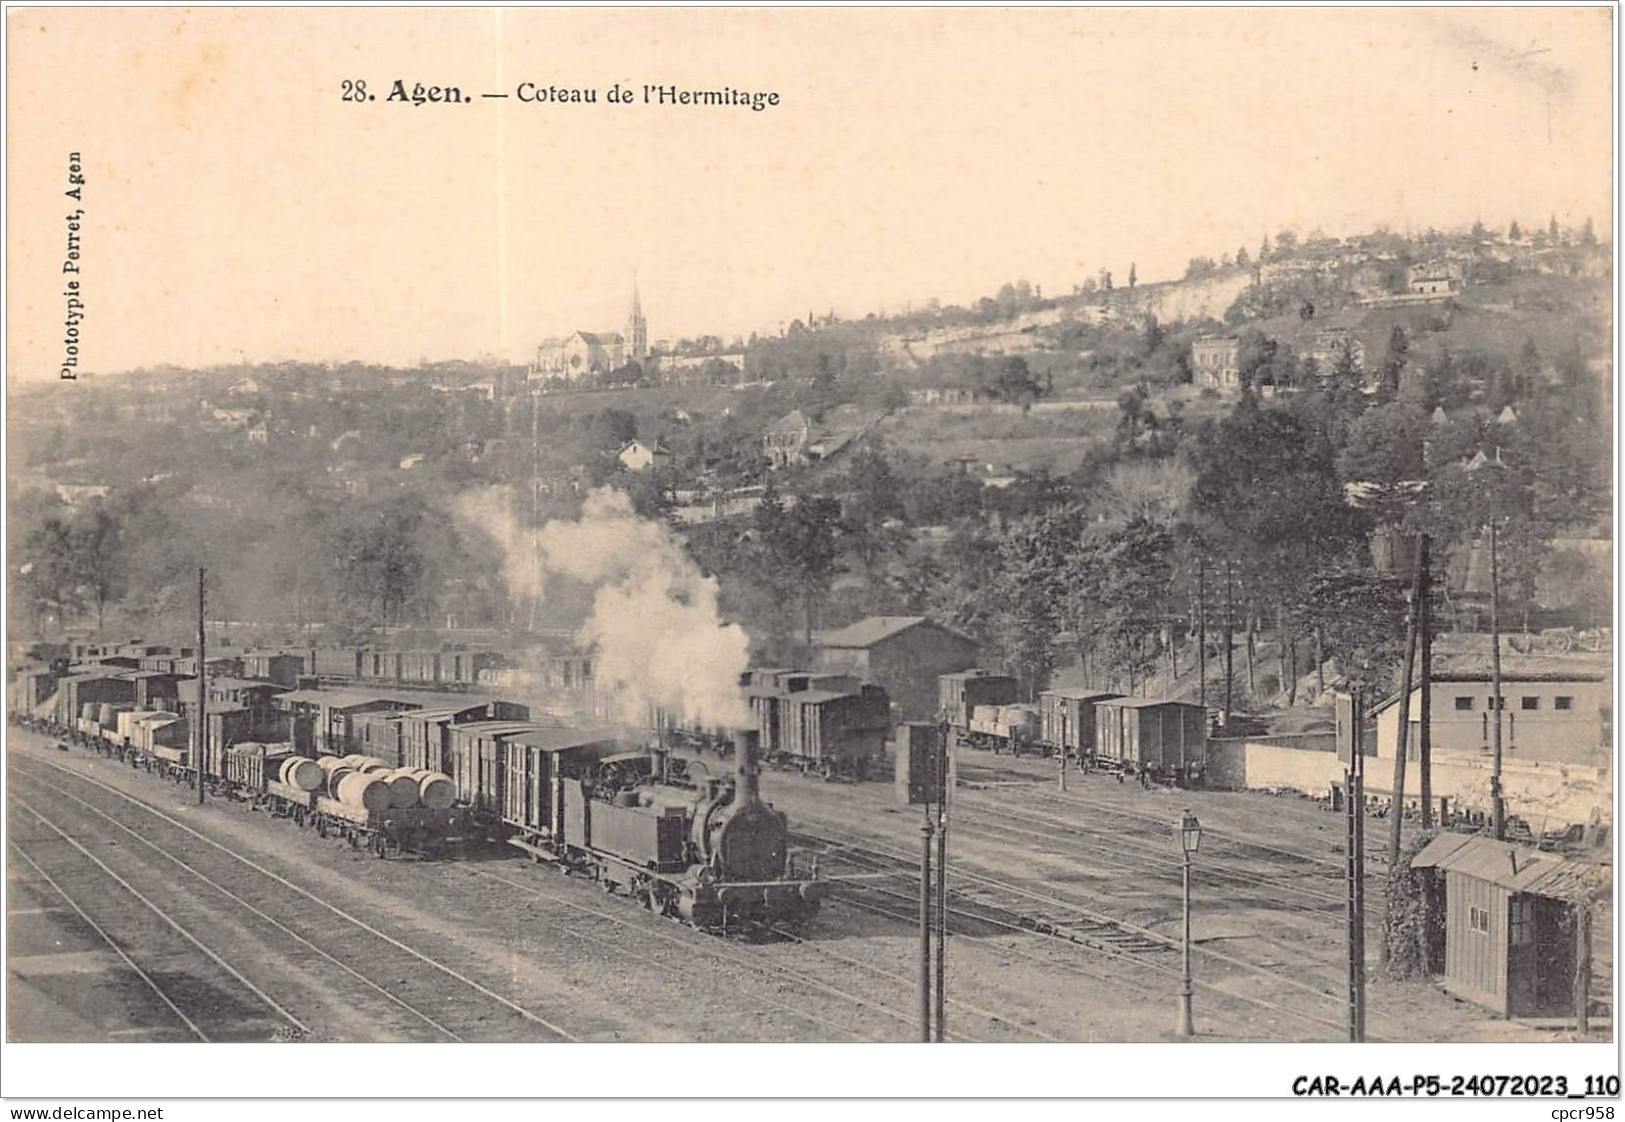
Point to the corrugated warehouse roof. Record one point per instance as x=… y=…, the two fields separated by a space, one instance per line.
x=1516 y=868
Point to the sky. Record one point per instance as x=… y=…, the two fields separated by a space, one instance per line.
x=237 y=209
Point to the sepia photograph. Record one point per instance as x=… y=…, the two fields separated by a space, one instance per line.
x=797 y=526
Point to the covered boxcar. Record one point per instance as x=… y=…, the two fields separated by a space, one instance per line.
x=1066 y=719
x=834 y=733
x=475 y=754
x=1161 y=739
x=535 y=761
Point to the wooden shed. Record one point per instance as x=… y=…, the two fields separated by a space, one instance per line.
x=1509 y=941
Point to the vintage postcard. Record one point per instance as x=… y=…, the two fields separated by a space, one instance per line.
x=805 y=526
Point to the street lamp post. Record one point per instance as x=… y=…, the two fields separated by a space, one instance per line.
x=1190 y=838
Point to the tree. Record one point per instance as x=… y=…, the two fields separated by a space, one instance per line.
x=872 y=509
x=1242 y=259
x=1385 y=446
x=801 y=548
x=1154 y=335
x=1514 y=232
x=1478 y=231
x=1554 y=234
x=1255 y=356
x=380 y=563
x=1286 y=243
x=47 y=573
x=1588 y=234
x=1134 y=274
x=1028 y=592
x=1393 y=363
x=1016 y=383
x=97 y=562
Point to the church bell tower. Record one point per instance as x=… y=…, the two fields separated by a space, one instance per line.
x=637 y=330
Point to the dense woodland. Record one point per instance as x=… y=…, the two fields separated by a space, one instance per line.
x=339 y=521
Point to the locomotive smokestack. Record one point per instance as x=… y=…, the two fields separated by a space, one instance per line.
x=746 y=788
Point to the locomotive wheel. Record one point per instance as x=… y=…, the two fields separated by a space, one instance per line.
x=321 y=827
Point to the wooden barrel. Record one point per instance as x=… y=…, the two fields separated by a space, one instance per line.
x=403 y=789
x=336 y=776
x=364 y=792
x=305 y=774
x=435 y=790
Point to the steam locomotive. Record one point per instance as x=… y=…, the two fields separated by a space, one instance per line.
x=681 y=841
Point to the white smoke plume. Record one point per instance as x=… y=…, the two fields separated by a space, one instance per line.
x=491 y=511
x=655 y=626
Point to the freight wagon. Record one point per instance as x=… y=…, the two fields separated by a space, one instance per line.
x=1066 y=720
x=1000 y=728
x=838 y=734
x=961 y=692
x=1160 y=739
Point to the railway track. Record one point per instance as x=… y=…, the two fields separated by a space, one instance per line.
x=242 y=894
x=1321 y=902
x=889 y=1017
x=760 y=960
x=1004 y=904
x=1154 y=826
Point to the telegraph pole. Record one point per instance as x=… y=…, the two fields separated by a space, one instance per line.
x=1355 y=824
x=1497 y=798
x=925 y=927
x=201 y=735
x=944 y=784
x=1229 y=644
x=1424 y=745
x=1201 y=634
x=1397 y=815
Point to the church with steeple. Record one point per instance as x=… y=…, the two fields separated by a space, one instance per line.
x=585 y=353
